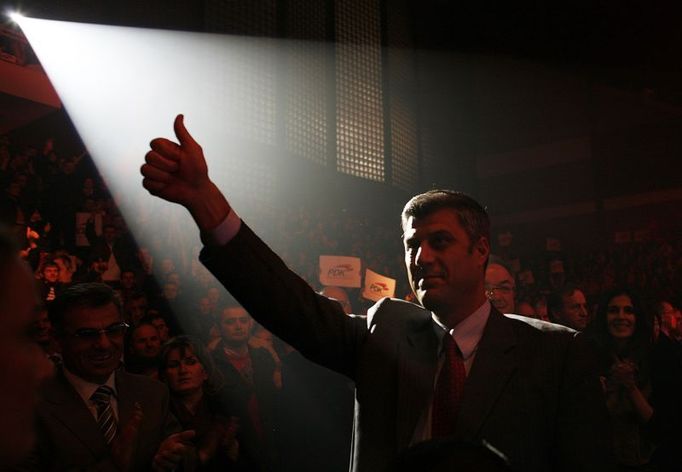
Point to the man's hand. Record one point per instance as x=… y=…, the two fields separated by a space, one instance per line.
x=177 y=172
x=123 y=445
x=172 y=450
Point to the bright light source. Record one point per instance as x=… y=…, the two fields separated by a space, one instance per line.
x=15 y=16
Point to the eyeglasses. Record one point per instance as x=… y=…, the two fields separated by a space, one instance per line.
x=116 y=330
x=490 y=290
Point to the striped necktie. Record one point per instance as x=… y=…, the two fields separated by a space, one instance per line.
x=105 y=414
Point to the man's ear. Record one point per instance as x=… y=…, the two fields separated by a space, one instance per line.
x=482 y=249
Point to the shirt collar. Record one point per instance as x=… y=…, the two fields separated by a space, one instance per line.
x=468 y=332
x=84 y=388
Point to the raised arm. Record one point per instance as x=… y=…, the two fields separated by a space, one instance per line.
x=177 y=172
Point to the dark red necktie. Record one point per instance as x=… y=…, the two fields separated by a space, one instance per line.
x=447 y=397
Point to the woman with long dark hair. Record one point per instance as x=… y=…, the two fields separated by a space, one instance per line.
x=621 y=331
x=194 y=386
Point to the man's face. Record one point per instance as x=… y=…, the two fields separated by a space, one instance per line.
x=51 y=274
x=167 y=265
x=500 y=287
x=137 y=308
x=162 y=327
x=443 y=266
x=128 y=280
x=204 y=306
x=64 y=269
x=92 y=358
x=669 y=317
x=213 y=295
x=574 y=311
x=146 y=341
x=23 y=365
x=235 y=326
x=170 y=291
x=42 y=328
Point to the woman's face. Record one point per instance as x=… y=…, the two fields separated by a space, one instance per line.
x=184 y=372
x=620 y=317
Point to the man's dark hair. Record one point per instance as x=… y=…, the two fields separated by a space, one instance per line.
x=472 y=216
x=85 y=295
x=493 y=259
x=555 y=300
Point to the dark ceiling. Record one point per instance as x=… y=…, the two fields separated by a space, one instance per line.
x=630 y=44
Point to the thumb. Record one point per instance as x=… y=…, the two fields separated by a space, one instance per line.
x=184 y=138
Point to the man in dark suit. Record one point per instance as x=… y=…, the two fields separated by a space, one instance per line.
x=454 y=368
x=252 y=380
x=94 y=416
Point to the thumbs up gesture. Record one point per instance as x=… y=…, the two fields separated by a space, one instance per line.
x=177 y=172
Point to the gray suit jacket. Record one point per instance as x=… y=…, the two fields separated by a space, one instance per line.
x=530 y=392
x=68 y=435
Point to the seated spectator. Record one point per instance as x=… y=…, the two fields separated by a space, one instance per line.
x=159 y=322
x=49 y=285
x=540 y=307
x=568 y=306
x=143 y=346
x=136 y=308
x=670 y=316
x=500 y=285
x=525 y=308
x=204 y=322
x=666 y=378
x=94 y=416
x=127 y=284
x=250 y=386
x=621 y=333
x=195 y=386
x=43 y=335
x=111 y=248
x=66 y=267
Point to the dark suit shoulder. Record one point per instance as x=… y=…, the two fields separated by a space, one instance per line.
x=394 y=311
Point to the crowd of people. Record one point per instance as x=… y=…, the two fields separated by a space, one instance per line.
x=253 y=402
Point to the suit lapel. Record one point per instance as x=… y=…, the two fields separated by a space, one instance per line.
x=492 y=368
x=417 y=354
x=67 y=407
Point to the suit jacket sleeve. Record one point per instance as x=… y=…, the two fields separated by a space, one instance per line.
x=284 y=303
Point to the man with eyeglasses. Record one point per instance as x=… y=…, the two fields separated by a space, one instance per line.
x=499 y=285
x=95 y=416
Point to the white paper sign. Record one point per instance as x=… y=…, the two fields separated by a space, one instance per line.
x=340 y=271
x=377 y=286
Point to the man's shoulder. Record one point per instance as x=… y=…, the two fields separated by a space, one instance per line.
x=396 y=312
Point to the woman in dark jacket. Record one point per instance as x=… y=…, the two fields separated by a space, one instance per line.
x=621 y=332
x=194 y=386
